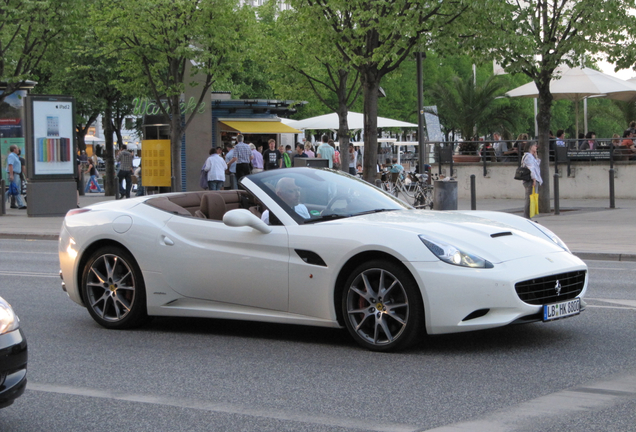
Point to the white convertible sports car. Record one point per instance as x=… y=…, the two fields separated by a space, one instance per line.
x=315 y=247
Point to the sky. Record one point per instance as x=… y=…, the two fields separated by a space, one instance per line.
x=608 y=68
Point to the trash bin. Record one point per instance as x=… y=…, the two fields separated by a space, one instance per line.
x=445 y=195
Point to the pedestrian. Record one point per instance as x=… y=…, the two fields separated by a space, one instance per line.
x=215 y=166
x=125 y=159
x=309 y=151
x=499 y=146
x=590 y=141
x=229 y=155
x=141 y=191
x=336 y=155
x=257 y=160
x=626 y=151
x=353 y=156
x=78 y=178
x=14 y=169
x=22 y=178
x=92 y=172
x=533 y=163
x=272 y=159
x=300 y=151
x=243 y=155
x=560 y=138
x=325 y=151
x=285 y=155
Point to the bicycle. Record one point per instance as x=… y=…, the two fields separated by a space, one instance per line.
x=417 y=191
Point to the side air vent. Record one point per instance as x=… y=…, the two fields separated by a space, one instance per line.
x=310 y=257
x=476 y=314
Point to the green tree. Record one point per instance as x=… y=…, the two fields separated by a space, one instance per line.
x=375 y=37
x=471 y=108
x=534 y=38
x=292 y=44
x=28 y=29
x=159 y=41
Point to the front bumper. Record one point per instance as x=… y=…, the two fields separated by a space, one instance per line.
x=458 y=299
x=13 y=366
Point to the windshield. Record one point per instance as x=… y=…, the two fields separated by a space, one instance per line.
x=311 y=195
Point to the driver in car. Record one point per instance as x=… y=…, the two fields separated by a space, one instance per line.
x=287 y=190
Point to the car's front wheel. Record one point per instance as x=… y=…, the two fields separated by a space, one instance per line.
x=113 y=289
x=382 y=307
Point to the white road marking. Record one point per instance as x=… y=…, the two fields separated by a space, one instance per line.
x=611 y=268
x=626 y=303
x=556 y=405
x=227 y=408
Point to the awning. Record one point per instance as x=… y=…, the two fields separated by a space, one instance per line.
x=257 y=127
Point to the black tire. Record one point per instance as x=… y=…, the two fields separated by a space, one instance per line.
x=382 y=306
x=114 y=290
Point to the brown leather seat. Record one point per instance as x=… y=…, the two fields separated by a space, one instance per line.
x=212 y=206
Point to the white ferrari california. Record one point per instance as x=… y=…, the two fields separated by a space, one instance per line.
x=315 y=247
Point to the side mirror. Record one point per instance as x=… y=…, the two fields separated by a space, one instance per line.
x=242 y=217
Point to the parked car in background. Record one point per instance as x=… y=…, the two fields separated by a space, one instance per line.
x=13 y=356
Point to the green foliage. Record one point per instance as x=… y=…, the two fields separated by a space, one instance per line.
x=375 y=37
x=28 y=32
x=472 y=109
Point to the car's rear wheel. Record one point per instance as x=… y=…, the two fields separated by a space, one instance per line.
x=114 y=290
x=382 y=307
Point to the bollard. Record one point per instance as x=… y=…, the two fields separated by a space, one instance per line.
x=557 y=210
x=611 y=187
x=3 y=206
x=117 y=191
x=473 y=194
x=233 y=183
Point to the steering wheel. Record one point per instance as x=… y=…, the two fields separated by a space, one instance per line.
x=338 y=197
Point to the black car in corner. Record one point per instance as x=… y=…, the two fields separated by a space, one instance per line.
x=13 y=356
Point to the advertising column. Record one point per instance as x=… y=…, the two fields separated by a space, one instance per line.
x=52 y=155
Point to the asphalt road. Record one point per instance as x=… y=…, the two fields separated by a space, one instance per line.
x=215 y=375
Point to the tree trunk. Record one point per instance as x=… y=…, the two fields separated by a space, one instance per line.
x=110 y=186
x=544 y=117
x=370 y=88
x=175 y=144
x=343 y=136
x=343 y=121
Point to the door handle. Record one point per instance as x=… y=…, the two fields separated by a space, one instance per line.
x=167 y=241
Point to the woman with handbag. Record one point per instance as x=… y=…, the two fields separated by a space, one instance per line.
x=533 y=163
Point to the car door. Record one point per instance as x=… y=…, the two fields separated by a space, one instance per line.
x=238 y=265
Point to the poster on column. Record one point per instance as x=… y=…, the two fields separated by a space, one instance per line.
x=50 y=136
x=11 y=125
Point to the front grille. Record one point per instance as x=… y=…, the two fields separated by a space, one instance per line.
x=543 y=290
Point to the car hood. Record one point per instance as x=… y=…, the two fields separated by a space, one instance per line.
x=489 y=235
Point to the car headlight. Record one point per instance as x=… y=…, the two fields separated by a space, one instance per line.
x=552 y=236
x=451 y=255
x=8 y=319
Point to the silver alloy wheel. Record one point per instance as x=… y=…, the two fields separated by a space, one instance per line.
x=111 y=287
x=377 y=307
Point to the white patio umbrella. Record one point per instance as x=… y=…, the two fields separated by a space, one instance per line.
x=576 y=84
x=93 y=139
x=355 y=120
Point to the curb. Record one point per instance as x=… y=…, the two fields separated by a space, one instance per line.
x=605 y=256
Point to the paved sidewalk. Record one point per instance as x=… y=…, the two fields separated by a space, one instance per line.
x=589 y=227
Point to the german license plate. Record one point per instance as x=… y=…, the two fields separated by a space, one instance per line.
x=561 y=310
